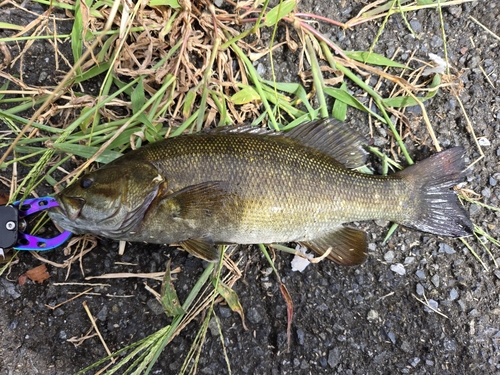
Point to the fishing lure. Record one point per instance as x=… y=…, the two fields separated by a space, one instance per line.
x=13 y=224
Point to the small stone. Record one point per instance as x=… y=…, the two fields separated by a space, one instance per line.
x=482 y=141
x=420 y=289
x=416 y=26
x=389 y=256
x=323 y=362
x=497 y=274
x=155 y=306
x=409 y=260
x=300 y=336
x=212 y=326
x=433 y=304
x=103 y=314
x=10 y=289
x=486 y=192
x=493 y=181
x=474 y=209
x=372 y=315
x=473 y=312
x=406 y=347
x=415 y=361
x=62 y=335
x=58 y=312
x=13 y=325
x=420 y=274
x=261 y=69
x=224 y=312
x=435 y=280
x=453 y=294
x=381 y=223
x=254 y=316
x=333 y=357
x=392 y=337
x=398 y=268
x=445 y=248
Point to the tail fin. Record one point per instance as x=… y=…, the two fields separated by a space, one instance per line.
x=437 y=209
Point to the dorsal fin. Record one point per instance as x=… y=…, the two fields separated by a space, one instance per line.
x=333 y=138
x=241 y=129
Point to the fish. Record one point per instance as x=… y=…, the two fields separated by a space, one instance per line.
x=248 y=185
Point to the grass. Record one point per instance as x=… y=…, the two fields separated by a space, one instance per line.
x=164 y=70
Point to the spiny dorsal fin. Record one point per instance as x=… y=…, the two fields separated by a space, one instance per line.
x=241 y=129
x=333 y=138
x=348 y=245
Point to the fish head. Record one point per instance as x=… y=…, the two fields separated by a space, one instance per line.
x=109 y=201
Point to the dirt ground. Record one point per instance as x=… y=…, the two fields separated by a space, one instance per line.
x=362 y=320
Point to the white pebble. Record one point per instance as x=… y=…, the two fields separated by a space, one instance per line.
x=398 y=268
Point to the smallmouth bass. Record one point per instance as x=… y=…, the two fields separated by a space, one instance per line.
x=249 y=185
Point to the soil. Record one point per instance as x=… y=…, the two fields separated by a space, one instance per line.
x=362 y=320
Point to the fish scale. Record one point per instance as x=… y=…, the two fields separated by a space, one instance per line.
x=247 y=186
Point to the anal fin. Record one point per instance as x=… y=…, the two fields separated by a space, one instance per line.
x=203 y=248
x=349 y=246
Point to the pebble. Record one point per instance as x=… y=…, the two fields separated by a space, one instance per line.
x=372 y=315
x=261 y=69
x=300 y=336
x=254 y=316
x=420 y=289
x=482 y=141
x=224 y=312
x=435 y=280
x=212 y=326
x=389 y=256
x=43 y=76
x=486 y=192
x=10 y=289
x=409 y=260
x=432 y=303
x=453 y=294
x=398 y=268
x=58 y=312
x=474 y=209
x=436 y=42
x=415 y=361
x=103 y=314
x=155 y=306
x=420 y=274
x=473 y=312
x=416 y=26
x=13 y=325
x=497 y=274
x=445 y=248
x=333 y=357
x=493 y=181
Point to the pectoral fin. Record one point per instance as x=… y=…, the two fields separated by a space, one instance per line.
x=349 y=247
x=203 y=248
x=199 y=200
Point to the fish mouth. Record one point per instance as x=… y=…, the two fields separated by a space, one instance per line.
x=71 y=207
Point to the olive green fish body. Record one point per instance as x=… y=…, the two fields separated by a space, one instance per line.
x=293 y=193
x=241 y=186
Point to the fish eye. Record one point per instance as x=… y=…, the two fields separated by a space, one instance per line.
x=86 y=182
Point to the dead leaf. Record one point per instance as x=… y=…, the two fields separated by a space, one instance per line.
x=38 y=274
